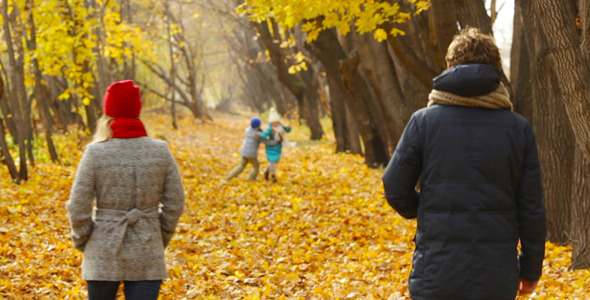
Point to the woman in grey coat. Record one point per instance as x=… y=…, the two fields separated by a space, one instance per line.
x=138 y=197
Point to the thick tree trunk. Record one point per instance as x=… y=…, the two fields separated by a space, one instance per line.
x=377 y=67
x=311 y=105
x=572 y=68
x=554 y=135
x=346 y=77
x=570 y=60
x=339 y=116
x=354 y=134
x=443 y=26
x=369 y=116
x=473 y=13
x=414 y=64
x=580 y=235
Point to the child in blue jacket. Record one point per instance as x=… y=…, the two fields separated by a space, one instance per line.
x=276 y=131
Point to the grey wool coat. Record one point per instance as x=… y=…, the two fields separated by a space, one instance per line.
x=138 y=198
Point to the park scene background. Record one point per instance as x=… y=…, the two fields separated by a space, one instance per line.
x=345 y=74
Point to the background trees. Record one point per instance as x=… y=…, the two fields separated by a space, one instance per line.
x=365 y=65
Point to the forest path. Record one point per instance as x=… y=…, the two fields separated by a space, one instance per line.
x=323 y=230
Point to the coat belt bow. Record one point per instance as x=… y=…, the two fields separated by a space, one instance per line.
x=136 y=219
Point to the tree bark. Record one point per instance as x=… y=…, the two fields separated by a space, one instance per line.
x=444 y=26
x=311 y=106
x=5 y=104
x=368 y=115
x=580 y=235
x=554 y=135
x=377 y=67
x=6 y=157
x=344 y=74
x=339 y=117
x=473 y=13
x=172 y=67
x=40 y=89
x=18 y=99
x=520 y=69
x=572 y=69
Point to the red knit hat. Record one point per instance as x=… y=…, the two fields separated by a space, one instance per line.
x=122 y=100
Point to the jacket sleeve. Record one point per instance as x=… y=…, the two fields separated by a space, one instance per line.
x=532 y=225
x=172 y=201
x=266 y=133
x=403 y=171
x=79 y=205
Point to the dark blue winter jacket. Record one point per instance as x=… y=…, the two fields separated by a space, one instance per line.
x=480 y=193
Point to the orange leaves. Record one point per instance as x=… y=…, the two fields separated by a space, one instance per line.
x=323 y=231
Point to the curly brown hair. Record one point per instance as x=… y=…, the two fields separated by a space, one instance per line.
x=471 y=46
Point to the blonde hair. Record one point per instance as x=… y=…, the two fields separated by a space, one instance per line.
x=471 y=46
x=103 y=130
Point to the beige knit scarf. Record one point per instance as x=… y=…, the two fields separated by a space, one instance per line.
x=495 y=100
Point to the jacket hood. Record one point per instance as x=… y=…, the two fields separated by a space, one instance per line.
x=468 y=80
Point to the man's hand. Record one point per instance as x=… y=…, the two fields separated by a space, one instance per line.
x=526 y=286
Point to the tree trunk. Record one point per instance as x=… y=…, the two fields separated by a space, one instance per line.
x=18 y=99
x=580 y=235
x=339 y=117
x=520 y=69
x=572 y=68
x=377 y=67
x=172 y=68
x=6 y=157
x=311 y=104
x=346 y=77
x=444 y=26
x=354 y=134
x=554 y=135
x=369 y=116
x=40 y=90
x=473 y=13
x=104 y=77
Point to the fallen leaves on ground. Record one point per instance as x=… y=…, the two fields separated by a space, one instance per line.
x=323 y=231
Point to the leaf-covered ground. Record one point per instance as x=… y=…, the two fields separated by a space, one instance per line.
x=323 y=231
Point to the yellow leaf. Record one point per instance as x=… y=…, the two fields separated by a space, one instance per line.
x=380 y=34
x=396 y=31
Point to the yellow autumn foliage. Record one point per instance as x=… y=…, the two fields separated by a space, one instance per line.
x=323 y=231
x=366 y=15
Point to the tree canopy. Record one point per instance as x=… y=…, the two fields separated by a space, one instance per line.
x=314 y=16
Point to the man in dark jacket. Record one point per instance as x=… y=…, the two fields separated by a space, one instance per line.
x=480 y=183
